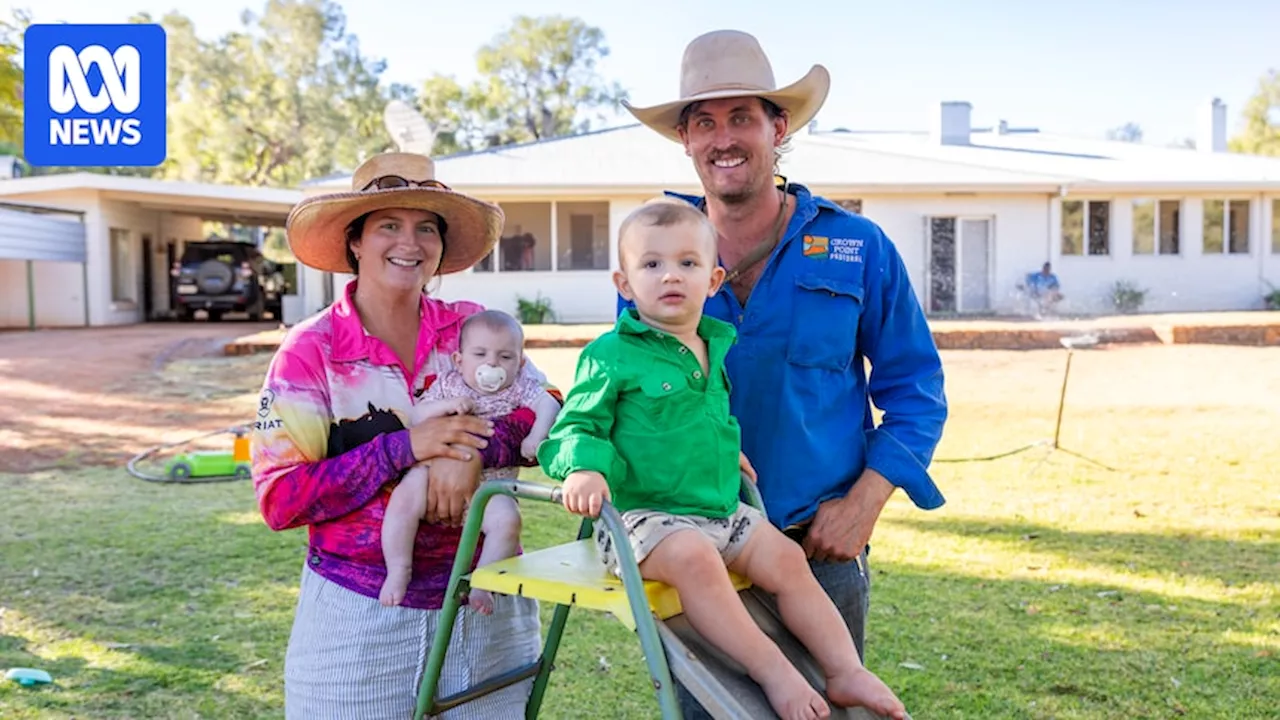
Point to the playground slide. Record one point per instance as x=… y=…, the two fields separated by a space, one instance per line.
x=720 y=684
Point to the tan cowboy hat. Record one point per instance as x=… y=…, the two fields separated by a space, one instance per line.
x=731 y=63
x=317 y=226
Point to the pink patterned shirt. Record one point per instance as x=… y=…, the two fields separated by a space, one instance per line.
x=331 y=440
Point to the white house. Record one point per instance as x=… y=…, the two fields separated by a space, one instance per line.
x=972 y=210
x=83 y=249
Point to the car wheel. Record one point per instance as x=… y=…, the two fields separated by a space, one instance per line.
x=180 y=471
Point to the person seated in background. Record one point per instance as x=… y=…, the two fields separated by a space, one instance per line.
x=1043 y=290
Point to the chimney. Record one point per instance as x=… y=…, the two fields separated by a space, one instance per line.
x=1211 y=131
x=950 y=125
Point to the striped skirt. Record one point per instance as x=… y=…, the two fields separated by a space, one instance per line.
x=350 y=657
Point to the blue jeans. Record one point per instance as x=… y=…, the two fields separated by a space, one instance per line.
x=849 y=586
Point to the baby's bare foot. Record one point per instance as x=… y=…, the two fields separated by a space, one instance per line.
x=861 y=688
x=791 y=696
x=481 y=601
x=394 y=587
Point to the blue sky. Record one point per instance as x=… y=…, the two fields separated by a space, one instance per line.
x=1075 y=68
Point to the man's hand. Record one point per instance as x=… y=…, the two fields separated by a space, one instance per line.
x=450 y=485
x=744 y=466
x=584 y=493
x=842 y=527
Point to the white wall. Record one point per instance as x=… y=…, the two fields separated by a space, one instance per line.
x=1186 y=282
x=1026 y=232
x=1018 y=229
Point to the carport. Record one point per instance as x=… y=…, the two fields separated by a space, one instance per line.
x=132 y=231
x=35 y=233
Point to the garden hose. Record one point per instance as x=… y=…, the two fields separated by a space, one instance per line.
x=179 y=478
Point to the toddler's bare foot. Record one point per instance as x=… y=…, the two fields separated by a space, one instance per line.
x=393 y=588
x=791 y=696
x=481 y=601
x=861 y=688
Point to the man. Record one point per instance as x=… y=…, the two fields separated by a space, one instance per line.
x=1044 y=290
x=813 y=290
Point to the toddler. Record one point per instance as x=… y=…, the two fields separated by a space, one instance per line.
x=489 y=378
x=647 y=427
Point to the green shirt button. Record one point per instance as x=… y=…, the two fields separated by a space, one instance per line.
x=697 y=374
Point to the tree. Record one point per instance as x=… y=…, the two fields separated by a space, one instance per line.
x=11 y=76
x=287 y=98
x=1261 y=133
x=1129 y=132
x=538 y=80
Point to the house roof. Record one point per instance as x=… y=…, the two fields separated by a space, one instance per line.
x=236 y=203
x=633 y=158
x=130 y=184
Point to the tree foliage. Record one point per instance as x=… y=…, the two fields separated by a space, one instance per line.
x=286 y=98
x=289 y=96
x=1128 y=132
x=538 y=79
x=11 y=75
x=1261 y=133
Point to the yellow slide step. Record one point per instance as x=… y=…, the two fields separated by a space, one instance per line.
x=572 y=574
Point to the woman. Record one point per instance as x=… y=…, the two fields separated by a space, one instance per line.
x=331 y=440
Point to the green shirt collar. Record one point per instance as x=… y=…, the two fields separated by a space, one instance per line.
x=709 y=328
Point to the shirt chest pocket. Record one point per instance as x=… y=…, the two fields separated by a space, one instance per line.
x=825 y=317
x=669 y=401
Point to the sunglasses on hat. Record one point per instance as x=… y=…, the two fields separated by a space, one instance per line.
x=390 y=182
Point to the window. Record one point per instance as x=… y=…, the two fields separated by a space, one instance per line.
x=1156 y=227
x=577 y=240
x=525 y=244
x=853 y=205
x=1226 y=227
x=582 y=236
x=1275 y=226
x=1074 y=227
x=123 y=286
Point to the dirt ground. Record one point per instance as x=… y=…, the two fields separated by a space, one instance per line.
x=100 y=396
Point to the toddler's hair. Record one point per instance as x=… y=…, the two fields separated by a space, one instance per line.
x=495 y=320
x=667 y=211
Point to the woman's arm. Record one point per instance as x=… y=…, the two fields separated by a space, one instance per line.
x=294 y=481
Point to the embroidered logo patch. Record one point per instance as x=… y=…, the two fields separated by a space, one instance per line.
x=815 y=246
x=846 y=249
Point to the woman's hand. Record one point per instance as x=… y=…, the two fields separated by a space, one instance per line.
x=584 y=492
x=452 y=436
x=450 y=485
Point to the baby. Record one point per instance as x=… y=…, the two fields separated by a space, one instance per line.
x=489 y=378
x=647 y=427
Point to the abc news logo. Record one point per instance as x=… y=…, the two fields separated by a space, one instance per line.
x=97 y=95
x=69 y=89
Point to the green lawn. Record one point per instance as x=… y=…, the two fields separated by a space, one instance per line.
x=1054 y=590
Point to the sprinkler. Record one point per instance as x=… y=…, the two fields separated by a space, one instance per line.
x=202 y=466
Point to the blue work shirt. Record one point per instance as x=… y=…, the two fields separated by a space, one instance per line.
x=834 y=291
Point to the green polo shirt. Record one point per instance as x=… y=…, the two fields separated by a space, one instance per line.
x=642 y=413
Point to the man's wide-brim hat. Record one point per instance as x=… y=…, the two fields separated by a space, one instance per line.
x=317 y=226
x=731 y=63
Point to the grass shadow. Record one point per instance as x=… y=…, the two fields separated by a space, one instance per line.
x=1228 y=562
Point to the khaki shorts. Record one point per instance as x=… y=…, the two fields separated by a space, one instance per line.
x=647 y=528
